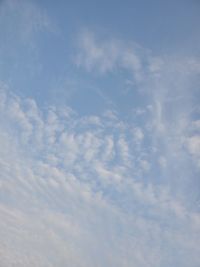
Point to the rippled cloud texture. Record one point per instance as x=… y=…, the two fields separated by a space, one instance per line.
x=101 y=189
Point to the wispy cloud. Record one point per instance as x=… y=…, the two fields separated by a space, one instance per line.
x=167 y=83
x=109 y=55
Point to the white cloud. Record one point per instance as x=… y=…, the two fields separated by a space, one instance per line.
x=68 y=195
x=109 y=55
x=194 y=145
x=103 y=56
x=95 y=190
x=162 y=161
x=138 y=134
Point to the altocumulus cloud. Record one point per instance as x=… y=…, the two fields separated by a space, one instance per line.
x=96 y=190
x=73 y=191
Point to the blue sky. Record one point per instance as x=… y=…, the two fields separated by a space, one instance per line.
x=99 y=133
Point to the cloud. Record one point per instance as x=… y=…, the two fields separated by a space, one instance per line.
x=168 y=85
x=109 y=55
x=103 y=56
x=194 y=145
x=138 y=134
x=68 y=195
x=97 y=189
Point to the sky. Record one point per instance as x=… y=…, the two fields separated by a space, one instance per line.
x=99 y=133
